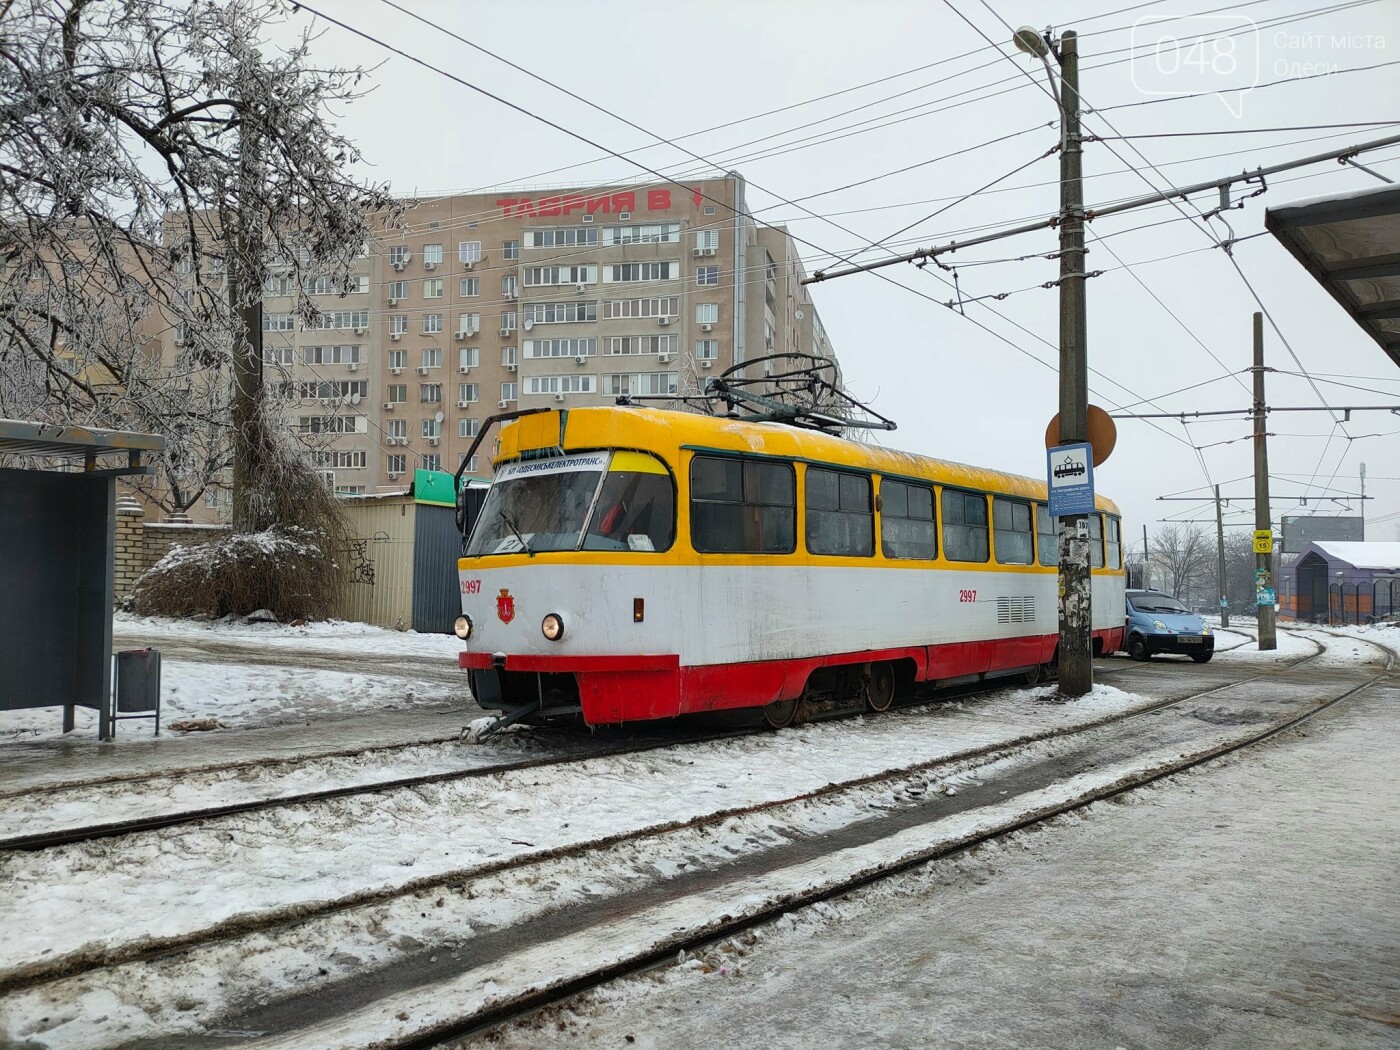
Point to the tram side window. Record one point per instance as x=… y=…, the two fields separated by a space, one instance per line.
x=742 y=506
x=1115 y=543
x=1095 y=541
x=906 y=521
x=839 y=516
x=1012 y=522
x=1047 y=535
x=964 y=526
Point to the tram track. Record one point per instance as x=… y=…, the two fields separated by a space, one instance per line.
x=280 y=921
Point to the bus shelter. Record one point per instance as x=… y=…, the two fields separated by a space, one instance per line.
x=57 y=520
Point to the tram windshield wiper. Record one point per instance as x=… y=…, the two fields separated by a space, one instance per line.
x=510 y=524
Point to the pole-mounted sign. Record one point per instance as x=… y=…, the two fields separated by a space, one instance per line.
x=1069 y=471
x=1263 y=541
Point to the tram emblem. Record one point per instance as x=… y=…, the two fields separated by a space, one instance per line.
x=505 y=606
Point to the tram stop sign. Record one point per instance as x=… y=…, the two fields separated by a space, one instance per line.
x=1263 y=541
x=1069 y=475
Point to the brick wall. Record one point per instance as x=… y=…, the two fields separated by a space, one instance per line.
x=140 y=544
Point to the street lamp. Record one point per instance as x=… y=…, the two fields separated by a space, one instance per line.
x=1076 y=611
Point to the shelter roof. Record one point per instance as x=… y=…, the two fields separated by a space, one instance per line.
x=78 y=445
x=1371 y=554
x=1351 y=244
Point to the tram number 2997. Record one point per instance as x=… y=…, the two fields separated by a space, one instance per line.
x=967 y=596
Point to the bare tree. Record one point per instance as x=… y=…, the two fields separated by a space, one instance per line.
x=159 y=161
x=1181 y=558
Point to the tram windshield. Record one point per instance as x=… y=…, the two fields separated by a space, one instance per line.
x=590 y=501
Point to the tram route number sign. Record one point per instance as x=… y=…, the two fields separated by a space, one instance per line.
x=1069 y=472
x=1263 y=541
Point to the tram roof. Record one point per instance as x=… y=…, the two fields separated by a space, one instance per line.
x=655 y=429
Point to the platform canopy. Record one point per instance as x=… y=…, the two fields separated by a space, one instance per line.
x=1351 y=244
x=89 y=449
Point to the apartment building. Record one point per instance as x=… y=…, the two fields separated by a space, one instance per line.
x=488 y=302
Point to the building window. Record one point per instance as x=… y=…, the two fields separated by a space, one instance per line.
x=281 y=355
x=622 y=273
x=432 y=357
x=398 y=359
x=1011 y=526
x=432 y=323
x=279 y=285
x=709 y=209
x=561 y=237
x=560 y=313
x=470 y=464
x=432 y=254
x=707 y=275
x=468 y=357
x=469 y=251
x=659 y=233
x=431 y=428
x=706 y=313
x=510 y=249
x=399 y=255
x=279 y=322
x=742 y=506
x=330 y=355
x=432 y=461
x=468 y=428
x=840 y=520
x=641 y=344
x=397 y=463
x=510 y=286
x=964 y=526
x=509 y=321
x=430 y=393
x=398 y=290
x=508 y=355
x=398 y=324
x=640 y=384
x=334 y=424
x=545 y=275
x=509 y=392
x=668 y=306
x=562 y=384
x=432 y=288
x=469 y=287
x=398 y=429
x=468 y=325
x=397 y=393
x=707 y=349
x=707 y=240
x=342 y=319
x=582 y=347
x=467 y=393
x=906 y=521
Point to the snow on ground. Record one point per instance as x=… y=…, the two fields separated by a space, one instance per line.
x=244 y=695
x=1250 y=904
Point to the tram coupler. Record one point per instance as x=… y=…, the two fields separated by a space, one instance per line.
x=473 y=735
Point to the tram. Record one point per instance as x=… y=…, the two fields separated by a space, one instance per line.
x=633 y=563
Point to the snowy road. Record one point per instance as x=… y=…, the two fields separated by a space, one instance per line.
x=486 y=860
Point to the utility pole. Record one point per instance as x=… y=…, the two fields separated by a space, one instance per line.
x=1146 y=561
x=1076 y=609
x=1220 y=561
x=1363 y=501
x=1263 y=562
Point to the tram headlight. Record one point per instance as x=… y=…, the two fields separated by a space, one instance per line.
x=462 y=627
x=553 y=627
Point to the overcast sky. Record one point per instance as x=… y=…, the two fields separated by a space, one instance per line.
x=979 y=388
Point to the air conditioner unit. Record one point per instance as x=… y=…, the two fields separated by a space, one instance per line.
x=430 y=266
x=698 y=252
x=505 y=332
x=467 y=264
x=580 y=360
x=502 y=404
x=464 y=369
x=352 y=366
x=389 y=406
x=579 y=289
x=510 y=367
x=710 y=251
x=395 y=474
x=422 y=370
x=663 y=359
x=361 y=331
x=393 y=300
x=434 y=441
x=396 y=441
x=707 y=364
x=663 y=320
x=180 y=340
x=464 y=404
x=508 y=295
x=396 y=336
x=399 y=264
x=464 y=333
x=706 y=327
x=396 y=371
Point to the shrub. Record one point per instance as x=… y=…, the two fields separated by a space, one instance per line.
x=288 y=570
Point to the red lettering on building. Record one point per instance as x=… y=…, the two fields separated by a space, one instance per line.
x=506 y=204
x=527 y=207
x=626 y=201
x=550 y=206
x=696 y=197
x=658 y=200
x=573 y=203
x=598 y=203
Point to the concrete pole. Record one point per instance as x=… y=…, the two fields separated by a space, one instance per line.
x=1263 y=563
x=1076 y=610
x=1146 y=561
x=1220 y=560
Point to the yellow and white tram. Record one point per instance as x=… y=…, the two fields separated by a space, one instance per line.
x=632 y=563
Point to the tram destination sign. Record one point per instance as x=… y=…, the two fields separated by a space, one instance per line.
x=1069 y=472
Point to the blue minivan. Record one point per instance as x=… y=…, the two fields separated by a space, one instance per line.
x=1158 y=623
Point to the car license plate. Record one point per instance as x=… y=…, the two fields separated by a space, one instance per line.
x=1187 y=639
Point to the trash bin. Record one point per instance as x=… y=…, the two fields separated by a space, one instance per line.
x=137 y=685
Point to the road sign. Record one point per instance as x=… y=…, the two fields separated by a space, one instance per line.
x=1069 y=474
x=1263 y=541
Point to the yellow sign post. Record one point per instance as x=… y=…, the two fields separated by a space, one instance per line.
x=1263 y=541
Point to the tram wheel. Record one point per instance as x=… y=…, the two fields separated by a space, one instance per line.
x=780 y=713
x=879 y=690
